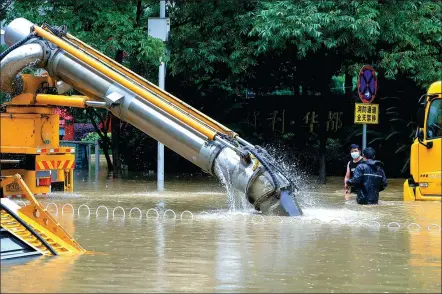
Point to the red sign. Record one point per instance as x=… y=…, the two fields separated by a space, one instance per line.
x=367 y=84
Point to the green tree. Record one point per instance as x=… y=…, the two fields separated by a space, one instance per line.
x=410 y=43
x=209 y=43
x=108 y=26
x=4 y=6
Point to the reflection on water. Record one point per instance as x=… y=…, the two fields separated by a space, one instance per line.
x=212 y=254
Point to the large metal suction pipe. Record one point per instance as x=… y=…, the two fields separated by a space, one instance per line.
x=139 y=112
x=15 y=62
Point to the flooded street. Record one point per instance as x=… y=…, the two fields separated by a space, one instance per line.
x=217 y=244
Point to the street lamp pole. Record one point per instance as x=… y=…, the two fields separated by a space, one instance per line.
x=161 y=84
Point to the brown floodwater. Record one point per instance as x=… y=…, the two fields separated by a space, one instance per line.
x=337 y=246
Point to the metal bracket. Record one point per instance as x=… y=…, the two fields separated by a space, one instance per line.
x=244 y=156
x=114 y=98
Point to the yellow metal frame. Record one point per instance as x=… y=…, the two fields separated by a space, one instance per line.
x=42 y=221
x=61 y=100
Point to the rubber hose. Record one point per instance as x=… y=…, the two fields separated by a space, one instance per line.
x=16 y=45
x=264 y=163
x=276 y=167
x=261 y=160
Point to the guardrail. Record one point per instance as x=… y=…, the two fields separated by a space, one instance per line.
x=186 y=215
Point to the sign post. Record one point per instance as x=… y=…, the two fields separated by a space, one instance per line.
x=367 y=86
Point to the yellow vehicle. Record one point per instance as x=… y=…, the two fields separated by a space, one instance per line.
x=426 y=154
x=30 y=142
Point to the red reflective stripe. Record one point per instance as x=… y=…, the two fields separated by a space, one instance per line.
x=66 y=164
x=45 y=164
x=53 y=163
x=43 y=150
x=73 y=164
x=56 y=150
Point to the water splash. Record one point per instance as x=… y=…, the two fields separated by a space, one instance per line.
x=236 y=200
x=289 y=165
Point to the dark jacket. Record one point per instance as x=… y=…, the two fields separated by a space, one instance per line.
x=369 y=178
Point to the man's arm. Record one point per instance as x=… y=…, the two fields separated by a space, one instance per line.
x=358 y=176
x=347 y=175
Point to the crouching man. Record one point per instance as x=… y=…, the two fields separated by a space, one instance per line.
x=369 y=178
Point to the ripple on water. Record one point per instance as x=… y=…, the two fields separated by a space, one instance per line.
x=219 y=250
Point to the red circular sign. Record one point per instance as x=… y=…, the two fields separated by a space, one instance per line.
x=367 y=84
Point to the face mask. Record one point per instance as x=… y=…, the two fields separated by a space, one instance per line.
x=355 y=155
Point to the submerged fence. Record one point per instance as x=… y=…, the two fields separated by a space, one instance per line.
x=118 y=212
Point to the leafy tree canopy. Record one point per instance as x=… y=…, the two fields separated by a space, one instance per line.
x=209 y=44
x=107 y=25
x=229 y=43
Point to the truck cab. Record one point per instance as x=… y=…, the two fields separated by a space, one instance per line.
x=426 y=154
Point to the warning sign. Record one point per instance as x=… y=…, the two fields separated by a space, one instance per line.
x=366 y=113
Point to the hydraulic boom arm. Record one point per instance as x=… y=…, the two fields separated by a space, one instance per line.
x=105 y=83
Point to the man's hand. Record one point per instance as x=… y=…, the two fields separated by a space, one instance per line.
x=347 y=192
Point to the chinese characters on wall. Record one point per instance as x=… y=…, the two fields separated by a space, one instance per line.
x=277 y=121
x=333 y=123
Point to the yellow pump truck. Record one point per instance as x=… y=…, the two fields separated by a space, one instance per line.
x=30 y=142
x=426 y=154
